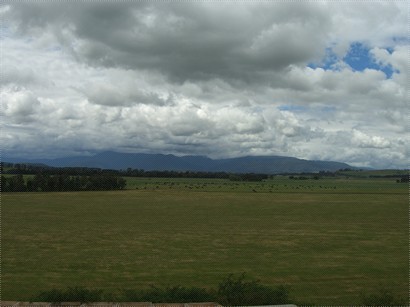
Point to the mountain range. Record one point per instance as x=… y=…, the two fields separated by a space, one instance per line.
x=248 y=164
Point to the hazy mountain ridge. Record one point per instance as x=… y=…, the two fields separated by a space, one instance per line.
x=248 y=164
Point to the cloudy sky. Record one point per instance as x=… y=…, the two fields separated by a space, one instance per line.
x=310 y=79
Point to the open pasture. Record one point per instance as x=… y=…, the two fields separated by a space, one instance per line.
x=279 y=184
x=327 y=245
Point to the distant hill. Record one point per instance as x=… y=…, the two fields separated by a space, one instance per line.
x=249 y=164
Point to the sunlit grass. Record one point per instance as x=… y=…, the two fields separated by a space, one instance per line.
x=329 y=247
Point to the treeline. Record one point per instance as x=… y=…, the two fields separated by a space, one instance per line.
x=63 y=182
x=311 y=175
x=315 y=177
x=404 y=179
x=173 y=174
x=32 y=169
x=248 y=177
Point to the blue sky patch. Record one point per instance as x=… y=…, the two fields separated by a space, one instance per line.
x=328 y=61
x=358 y=58
x=328 y=109
x=390 y=50
x=292 y=108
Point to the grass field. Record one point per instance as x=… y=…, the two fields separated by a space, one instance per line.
x=373 y=173
x=280 y=184
x=329 y=239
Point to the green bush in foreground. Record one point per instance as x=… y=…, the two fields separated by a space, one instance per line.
x=237 y=291
x=231 y=291
x=75 y=294
x=383 y=297
x=169 y=294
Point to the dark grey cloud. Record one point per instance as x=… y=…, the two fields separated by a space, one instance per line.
x=108 y=95
x=186 y=41
x=17 y=76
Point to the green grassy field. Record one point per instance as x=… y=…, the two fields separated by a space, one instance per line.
x=280 y=184
x=373 y=173
x=329 y=239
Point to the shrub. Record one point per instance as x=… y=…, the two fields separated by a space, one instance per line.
x=76 y=294
x=383 y=297
x=177 y=294
x=231 y=291
x=237 y=291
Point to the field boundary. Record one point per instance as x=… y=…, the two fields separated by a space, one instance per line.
x=106 y=304
x=123 y=304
